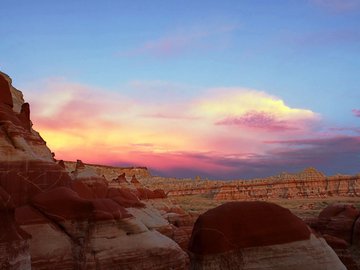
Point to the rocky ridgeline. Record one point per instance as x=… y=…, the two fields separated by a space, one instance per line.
x=111 y=172
x=309 y=183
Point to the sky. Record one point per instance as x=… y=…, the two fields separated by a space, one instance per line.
x=218 y=89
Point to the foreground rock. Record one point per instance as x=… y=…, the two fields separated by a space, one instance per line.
x=14 y=247
x=257 y=235
x=338 y=224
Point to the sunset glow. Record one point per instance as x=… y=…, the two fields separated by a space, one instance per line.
x=230 y=89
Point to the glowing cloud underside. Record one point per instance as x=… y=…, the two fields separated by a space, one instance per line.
x=211 y=134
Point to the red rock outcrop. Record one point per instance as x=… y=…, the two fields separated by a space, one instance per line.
x=147 y=194
x=24 y=179
x=257 y=235
x=49 y=244
x=121 y=179
x=337 y=224
x=14 y=248
x=134 y=180
x=26 y=164
x=338 y=220
x=125 y=197
x=356 y=233
x=18 y=141
x=5 y=93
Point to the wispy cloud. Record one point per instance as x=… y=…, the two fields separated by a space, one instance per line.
x=185 y=40
x=257 y=120
x=356 y=112
x=338 y=5
x=326 y=38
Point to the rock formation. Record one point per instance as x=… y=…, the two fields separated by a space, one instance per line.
x=111 y=172
x=51 y=219
x=14 y=247
x=257 y=235
x=338 y=225
x=121 y=179
x=309 y=183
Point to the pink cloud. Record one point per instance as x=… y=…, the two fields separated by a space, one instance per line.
x=170 y=115
x=356 y=112
x=62 y=104
x=258 y=120
x=346 y=129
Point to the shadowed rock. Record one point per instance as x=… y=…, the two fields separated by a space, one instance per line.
x=257 y=235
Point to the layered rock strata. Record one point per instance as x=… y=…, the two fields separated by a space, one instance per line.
x=309 y=183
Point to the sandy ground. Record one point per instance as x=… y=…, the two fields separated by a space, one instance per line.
x=303 y=208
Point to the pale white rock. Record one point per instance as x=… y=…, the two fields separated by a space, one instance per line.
x=149 y=216
x=312 y=254
x=147 y=250
x=49 y=246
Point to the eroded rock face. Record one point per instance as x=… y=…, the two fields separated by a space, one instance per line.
x=309 y=183
x=121 y=179
x=86 y=174
x=356 y=233
x=338 y=220
x=257 y=235
x=24 y=179
x=110 y=172
x=49 y=244
x=18 y=141
x=14 y=248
